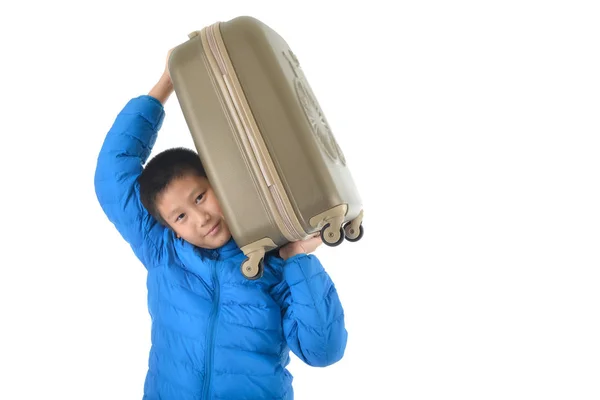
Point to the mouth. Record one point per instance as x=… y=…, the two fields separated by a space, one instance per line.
x=214 y=229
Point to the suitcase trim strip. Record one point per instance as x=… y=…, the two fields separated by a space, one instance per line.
x=278 y=202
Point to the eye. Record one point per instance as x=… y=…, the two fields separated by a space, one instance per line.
x=199 y=198
x=180 y=217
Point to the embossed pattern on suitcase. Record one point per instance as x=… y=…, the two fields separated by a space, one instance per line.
x=266 y=145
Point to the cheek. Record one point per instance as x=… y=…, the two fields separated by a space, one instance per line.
x=214 y=207
x=188 y=234
x=179 y=230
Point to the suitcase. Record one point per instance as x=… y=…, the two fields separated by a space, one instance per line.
x=267 y=148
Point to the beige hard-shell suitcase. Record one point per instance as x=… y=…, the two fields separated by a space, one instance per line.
x=265 y=143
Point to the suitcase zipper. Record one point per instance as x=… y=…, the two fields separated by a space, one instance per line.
x=212 y=43
x=289 y=227
x=281 y=208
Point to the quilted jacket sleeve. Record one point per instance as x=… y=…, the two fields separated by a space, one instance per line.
x=313 y=315
x=126 y=148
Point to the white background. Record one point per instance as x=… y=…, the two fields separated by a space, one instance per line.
x=471 y=129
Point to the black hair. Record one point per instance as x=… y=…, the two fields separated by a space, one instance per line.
x=163 y=169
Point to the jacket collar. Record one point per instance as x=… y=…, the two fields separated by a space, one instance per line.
x=198 y=260
x=228 y=250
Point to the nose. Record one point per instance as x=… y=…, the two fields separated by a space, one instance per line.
x=202 y=218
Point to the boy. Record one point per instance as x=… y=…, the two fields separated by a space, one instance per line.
x=215 y=334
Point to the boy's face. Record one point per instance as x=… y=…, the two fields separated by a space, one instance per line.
x=191 y=208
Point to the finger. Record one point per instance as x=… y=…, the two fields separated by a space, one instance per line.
x=313 y=238
x=315 y=241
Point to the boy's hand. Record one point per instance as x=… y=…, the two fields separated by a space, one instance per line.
x=164 y=87
x=166 y=72
x=304 y=246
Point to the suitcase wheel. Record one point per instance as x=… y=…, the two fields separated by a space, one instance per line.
x=332 y=237
x=352 y=234
x=253 y=270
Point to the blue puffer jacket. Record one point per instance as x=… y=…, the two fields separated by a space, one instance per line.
x=215 y=334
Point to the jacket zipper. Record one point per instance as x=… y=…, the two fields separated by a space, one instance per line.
x=211 y=328
x=292 y=233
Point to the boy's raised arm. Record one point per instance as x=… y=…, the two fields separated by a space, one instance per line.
x=126 y=148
